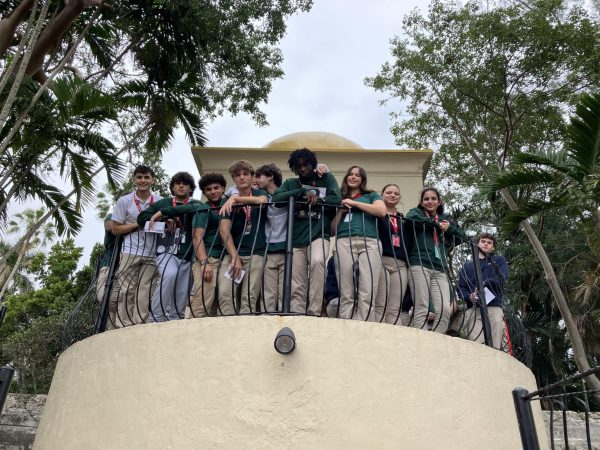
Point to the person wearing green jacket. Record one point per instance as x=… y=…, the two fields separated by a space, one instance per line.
x=434 y=234
x=174 y=250
x=314 y=188
x=242 y=231
x=358 y=249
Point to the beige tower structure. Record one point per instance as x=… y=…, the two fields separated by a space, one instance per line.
x=406 y=168
x=218 y=383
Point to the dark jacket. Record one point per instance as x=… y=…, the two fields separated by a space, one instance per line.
x=494 y=273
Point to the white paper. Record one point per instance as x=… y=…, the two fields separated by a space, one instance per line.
x=157 y=227
x=348 y=217
x=489 y=295
x=321 y=190
x=228 y=272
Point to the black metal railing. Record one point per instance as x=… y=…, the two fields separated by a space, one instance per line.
x=185 y=275
x=6 y=374
x=565 y=396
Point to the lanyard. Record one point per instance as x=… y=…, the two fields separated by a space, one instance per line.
x=175 y=202
x=435 y=236
x=137 y=202
x=178 y=223
x=394 y=224
x=358 y=194
x=248 y=211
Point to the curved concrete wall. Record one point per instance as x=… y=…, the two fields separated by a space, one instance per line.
x=218 y=383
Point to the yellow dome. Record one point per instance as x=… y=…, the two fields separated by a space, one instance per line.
x=312 y=140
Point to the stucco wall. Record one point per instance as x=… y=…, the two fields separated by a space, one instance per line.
x=218 y=383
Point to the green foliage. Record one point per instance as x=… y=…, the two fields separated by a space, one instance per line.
x=487 y=81
x=31 y=335
x=488 y=86
x=144 y=68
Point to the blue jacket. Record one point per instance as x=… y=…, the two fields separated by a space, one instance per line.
x=494 y=273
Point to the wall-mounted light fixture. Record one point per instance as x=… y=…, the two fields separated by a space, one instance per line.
x=285 y=341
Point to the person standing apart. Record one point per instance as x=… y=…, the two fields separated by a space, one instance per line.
x=494 y=273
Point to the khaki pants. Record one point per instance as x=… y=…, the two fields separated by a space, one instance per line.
x=130 y=297
x=430 y=285
x=204 y=291
x=100 y=289
x=365 y=254
x=248 y=290
x=474 y=325
x=273 y=282
x=392 y=287
x=308 y=277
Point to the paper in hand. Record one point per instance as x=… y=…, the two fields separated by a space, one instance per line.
x=157 y=227
x=240 y=277
x=489 y=295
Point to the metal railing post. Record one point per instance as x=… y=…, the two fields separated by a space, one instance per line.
x=485 y=319
x=529 y=437
x=3 y=310
x=6 y=374
x=110 y=279
x=289 y=254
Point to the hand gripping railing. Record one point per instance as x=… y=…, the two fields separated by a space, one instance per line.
x=367 y=278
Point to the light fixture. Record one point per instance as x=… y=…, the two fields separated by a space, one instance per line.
x=285 y=341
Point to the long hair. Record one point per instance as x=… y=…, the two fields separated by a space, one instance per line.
x=440 y=208
x=363 y=184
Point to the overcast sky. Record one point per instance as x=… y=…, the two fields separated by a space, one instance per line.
x=327 y=54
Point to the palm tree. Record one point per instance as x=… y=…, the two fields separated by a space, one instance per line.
x=570 y=181
x=571 y=175
x=21 y=224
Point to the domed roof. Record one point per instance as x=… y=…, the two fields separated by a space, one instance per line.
x=312 y=139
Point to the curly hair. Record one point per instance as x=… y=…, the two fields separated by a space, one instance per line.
x=185 y=178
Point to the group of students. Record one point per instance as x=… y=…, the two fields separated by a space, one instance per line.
x=229 y=251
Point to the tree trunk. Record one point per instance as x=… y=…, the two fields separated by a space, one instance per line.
x=576 y=341
x=53 y=33
x=8 y=26
x=15 y=267
x=574 y=335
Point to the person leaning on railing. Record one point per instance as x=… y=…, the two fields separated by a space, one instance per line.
x=174 y=249
x=494 y=273
x=133 y=283
x=242 y=230
x=395 y=248
x=357 y=245
x=207 y=245
x=435 y=234
x=313 y=188
x=269 y=178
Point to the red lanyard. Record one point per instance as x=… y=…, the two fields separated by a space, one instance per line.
x=394 y=224
x=184 y=202
x=137 y=202
x=248 y=211
x=435 y=236
x=358 y=194
x=178 y=219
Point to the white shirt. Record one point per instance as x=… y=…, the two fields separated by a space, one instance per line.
x=126 y=211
